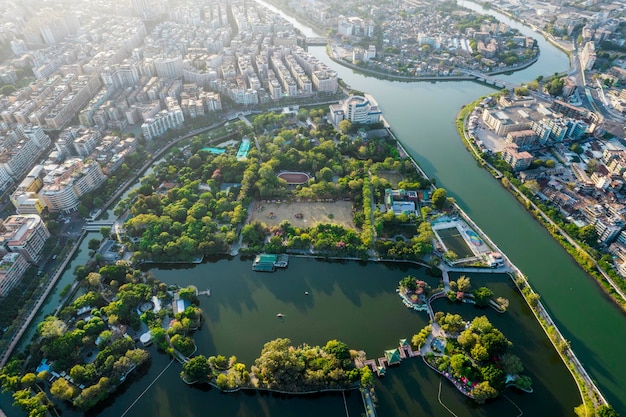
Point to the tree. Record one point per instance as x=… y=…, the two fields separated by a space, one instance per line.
x=439 y=198
x=197 y=369
x=337 y=348
x=521 y=91
x=588 y=234
x=576 y=148
x=467 y=339
x=84 y=374
x=345 y=126
x=62 y=389
x=463 y=284
x=51 y=327
x=105 y=232
x=326 y=174
x=482 y=296
x=222 y=382
x=483 y=391
x=409 y=282
x=93 y=279
x=93 y=244
x=606 y=411
x=34 y=405
x=28 y=380
x=479 y=353
x=183 y=344
x=458 y=363
x=533 y=299
x=511 y=364
x=367 y=377
x=493 y=375
x=219 y=362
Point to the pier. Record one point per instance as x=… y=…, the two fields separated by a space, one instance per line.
x=266 y=262
x=392 y=357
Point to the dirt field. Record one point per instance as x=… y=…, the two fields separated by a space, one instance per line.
x=312 y=213
x=393 y=177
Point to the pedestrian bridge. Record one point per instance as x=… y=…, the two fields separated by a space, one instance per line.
x=96 y=225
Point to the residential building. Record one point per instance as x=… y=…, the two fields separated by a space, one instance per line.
x=25 y=234
x=66 y=183
x=162 y=122
x=12 y=269
x=518 y=160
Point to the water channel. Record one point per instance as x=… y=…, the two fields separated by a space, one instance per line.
x=422 y=115
x=357 y=303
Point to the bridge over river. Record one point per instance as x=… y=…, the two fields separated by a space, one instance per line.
x=316 y=41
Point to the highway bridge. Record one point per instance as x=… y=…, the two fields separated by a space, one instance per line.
x=316 y=41
x=487 y=79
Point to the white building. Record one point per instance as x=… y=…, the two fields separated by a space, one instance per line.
x=25 y=234
x=356 y=109
x=161 y=123
x=66 y=183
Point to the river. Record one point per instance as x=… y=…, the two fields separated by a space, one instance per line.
x=423 y=116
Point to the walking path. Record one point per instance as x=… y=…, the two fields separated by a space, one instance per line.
x=345 y=405
x=147 y=388
x=370 y=411
x=441 y=402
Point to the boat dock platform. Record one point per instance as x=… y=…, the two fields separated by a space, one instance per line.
x=266 y=262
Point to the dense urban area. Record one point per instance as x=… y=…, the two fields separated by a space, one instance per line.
x=249 y=140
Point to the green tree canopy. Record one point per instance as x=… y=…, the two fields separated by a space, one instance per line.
x=439 y=198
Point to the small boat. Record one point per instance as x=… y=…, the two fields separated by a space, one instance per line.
x=280 y=315
x=306 y=293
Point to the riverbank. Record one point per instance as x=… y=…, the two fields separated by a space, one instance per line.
x=548 y=37
x=561 y=345
x=412 y=78
x=576 y=251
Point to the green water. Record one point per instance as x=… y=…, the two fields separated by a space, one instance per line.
x=353 y=302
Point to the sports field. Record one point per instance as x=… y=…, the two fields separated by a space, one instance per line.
x=304 y=214
x=452 y=240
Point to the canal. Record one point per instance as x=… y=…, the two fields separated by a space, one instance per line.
x=423 y=117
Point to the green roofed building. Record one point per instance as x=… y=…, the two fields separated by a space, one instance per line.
x=265 y=258
x=267 y=262
x=393 y=356
x=404 y=343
